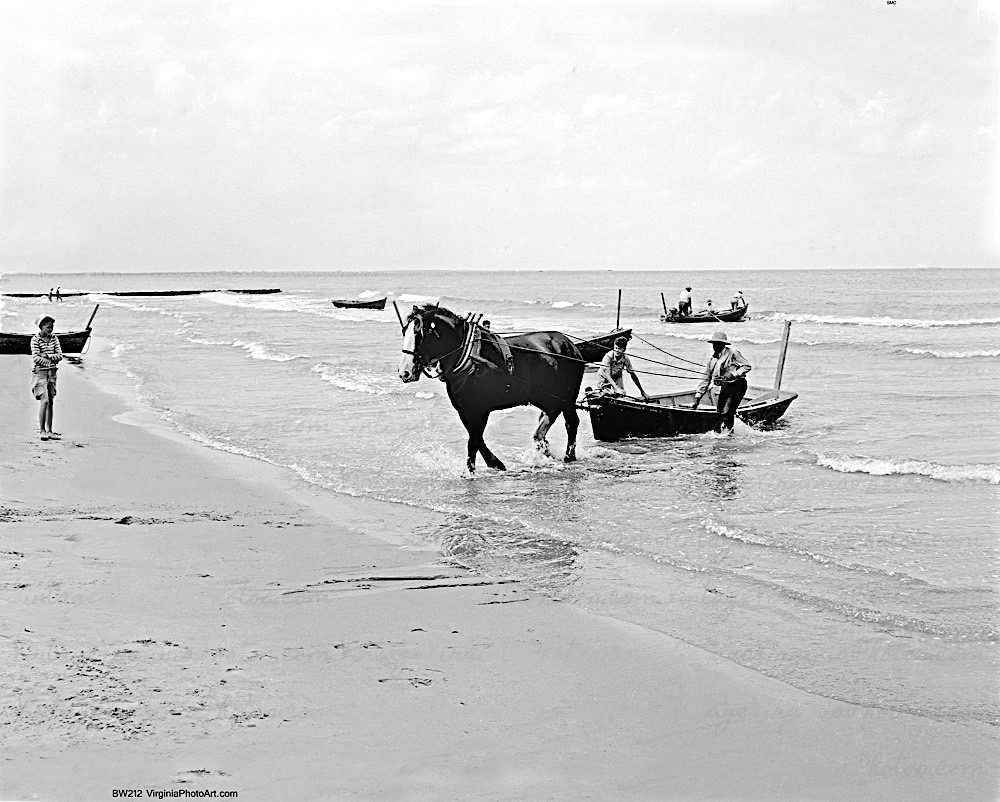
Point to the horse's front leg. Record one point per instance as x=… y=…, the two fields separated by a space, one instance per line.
x=475 y=426
x=572 y=425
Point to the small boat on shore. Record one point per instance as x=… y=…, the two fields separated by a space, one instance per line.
x=71 y=342
x=345 y=303
x=704 y=316
x=594 y=350
x=613 y=417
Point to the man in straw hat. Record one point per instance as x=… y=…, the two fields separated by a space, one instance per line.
x=727 y=369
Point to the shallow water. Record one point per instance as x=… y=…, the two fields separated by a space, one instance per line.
x=851 y=551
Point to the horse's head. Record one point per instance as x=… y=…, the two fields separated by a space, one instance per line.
x=430 y=334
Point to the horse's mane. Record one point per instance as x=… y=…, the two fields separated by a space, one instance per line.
x=428 y=308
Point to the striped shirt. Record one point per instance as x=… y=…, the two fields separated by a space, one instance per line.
x=42 y=349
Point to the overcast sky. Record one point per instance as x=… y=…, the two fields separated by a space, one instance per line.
x=273 y=135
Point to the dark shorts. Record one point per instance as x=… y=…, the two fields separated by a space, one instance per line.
x=43 y=385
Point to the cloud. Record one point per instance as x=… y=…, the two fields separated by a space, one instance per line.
x=491 y=89
x=410 y=81
x=581 y=183
x=603 y=105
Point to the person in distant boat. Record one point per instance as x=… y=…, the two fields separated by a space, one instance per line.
x=610 y=375
x=727 y=369
x=737 y=301
x=709 y=308
x=46 y=354
x=684 y=303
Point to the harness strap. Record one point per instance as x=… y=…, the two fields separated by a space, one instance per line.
x=465 y=362
x=508 y=357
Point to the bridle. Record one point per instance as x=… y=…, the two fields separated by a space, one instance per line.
x=425 y=368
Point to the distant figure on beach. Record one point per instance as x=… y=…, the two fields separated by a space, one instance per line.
x=46 y=354
x=737 y=300
x=610 y=375
x=58 y=293
x=50 y=295
x=727 y=369
x=684 y=302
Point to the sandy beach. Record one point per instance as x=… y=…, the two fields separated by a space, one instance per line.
x=178 y=618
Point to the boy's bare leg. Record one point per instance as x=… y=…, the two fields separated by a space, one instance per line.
x=48 y=418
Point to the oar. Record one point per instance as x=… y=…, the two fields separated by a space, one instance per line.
x=98 y=306
x=399 y=317
x=618 y=314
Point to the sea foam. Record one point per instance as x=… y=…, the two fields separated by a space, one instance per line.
x=878 y=321
x=979 y=354
x=888 y=467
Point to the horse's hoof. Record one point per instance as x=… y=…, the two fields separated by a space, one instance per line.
x=471 y=468
x=499 y=466
x=569 y=458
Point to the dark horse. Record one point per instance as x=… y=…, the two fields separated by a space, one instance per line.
x=545 y=371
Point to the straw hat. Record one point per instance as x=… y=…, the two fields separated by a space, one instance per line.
x=719 y=337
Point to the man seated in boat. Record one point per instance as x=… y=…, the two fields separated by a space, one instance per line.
x=727 y=369
x=610 y=375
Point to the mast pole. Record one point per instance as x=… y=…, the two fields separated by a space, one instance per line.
x=781 y=357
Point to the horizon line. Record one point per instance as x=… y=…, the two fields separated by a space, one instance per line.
x=293 y=270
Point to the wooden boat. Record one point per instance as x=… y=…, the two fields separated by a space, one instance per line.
x=344 y=303
x=704 y=316
x=595 y=349
x=71 y=342
x=613 y=417
x=137 y=293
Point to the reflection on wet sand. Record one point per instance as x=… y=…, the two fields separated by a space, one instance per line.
x=509 y=549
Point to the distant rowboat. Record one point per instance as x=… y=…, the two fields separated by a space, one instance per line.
x=704 y=316
x=375 y=303
x=137 y=293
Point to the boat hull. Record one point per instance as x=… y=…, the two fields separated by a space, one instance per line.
x=341 y=303
x=617 y=417
x=72 y=342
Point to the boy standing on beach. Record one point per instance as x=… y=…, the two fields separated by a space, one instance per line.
x=46 y=354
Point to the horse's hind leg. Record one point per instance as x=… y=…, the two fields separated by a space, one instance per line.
x=572 y=425
x=545 y=421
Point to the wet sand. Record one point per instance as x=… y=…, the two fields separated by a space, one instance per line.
x=177 y=618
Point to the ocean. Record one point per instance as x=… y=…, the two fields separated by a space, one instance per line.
x=851 y=551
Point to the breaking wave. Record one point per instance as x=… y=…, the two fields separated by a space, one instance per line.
x=889 y=467
x=880 y=322
x=356 y=381
x=983 y=354
x=254 y=349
